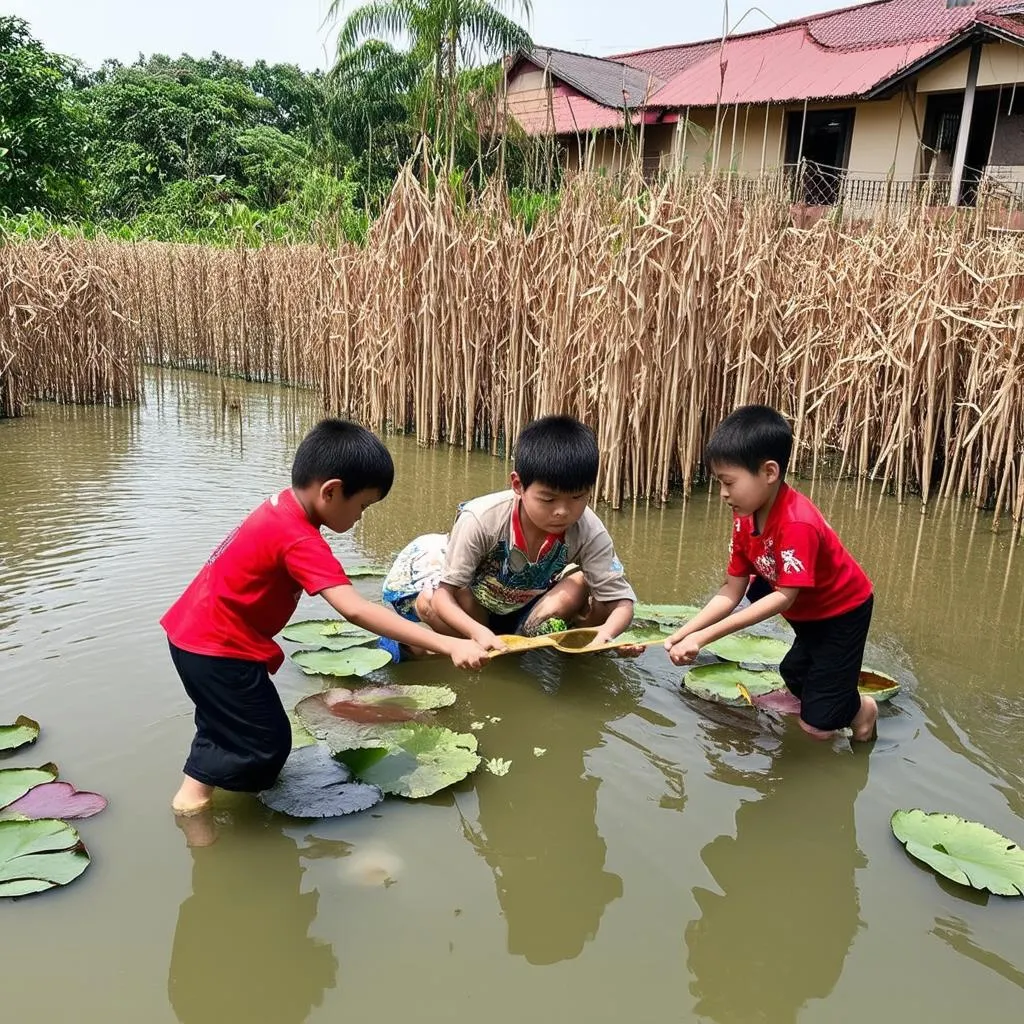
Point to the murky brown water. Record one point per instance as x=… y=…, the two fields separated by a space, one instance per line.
x=663 y=861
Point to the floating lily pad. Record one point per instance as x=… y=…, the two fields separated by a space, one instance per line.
x=301 y=736
x=313 y=785
x=356 y=572
x=329 y=634
x=39 y=855
x=23 y=732
x=358 y=661
x=963 y=851
x=16 y=782
x=641 y=631
x=55 y=800
x=339 y=733
x=749 y=649
x=782 y=701
x=386 y=703
x=877 y=684
x=418 y=760
x=666 y=614
x=718 y=683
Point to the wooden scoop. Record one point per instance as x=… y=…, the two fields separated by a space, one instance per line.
x=568 y=641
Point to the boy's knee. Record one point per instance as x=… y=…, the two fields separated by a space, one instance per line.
x=816 y=733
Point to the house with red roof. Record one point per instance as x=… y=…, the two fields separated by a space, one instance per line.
x=861 y=103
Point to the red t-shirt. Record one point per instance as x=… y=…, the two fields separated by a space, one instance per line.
x=251 y=585
x=797 y=548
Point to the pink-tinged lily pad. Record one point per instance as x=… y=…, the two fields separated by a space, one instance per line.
x=782 y=701
x=56 y=800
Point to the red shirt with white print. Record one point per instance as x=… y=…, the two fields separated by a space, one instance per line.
x=797 y=548
x=251 y=585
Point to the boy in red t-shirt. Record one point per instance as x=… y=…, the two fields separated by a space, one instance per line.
x=816 y=585
x=222 y=627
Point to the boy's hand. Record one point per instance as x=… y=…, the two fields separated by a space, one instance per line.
x=629 y=651
x=685 y=651
x=489 y=641
x=468 y=654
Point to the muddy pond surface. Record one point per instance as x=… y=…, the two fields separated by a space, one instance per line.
x=664 y=860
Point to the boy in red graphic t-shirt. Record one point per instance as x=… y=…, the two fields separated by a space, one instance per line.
x=222 y=627
x=816 y=585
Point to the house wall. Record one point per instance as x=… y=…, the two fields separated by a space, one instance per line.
x=885 y=137
x=1001 y=64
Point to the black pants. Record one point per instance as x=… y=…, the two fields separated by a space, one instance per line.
x=822 y=667
x=243 y=736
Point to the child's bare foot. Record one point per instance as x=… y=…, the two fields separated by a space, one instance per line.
x=198 y=827
x=863 y=724
x=192 y=798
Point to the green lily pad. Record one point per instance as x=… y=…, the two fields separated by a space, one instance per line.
x=356 y=572
x=963 y=851
x=358 y=661
x=301 y=736
x=640 y=631
x=39 y=855
x=718 y=683
x=23 y=732
x=666 y=614
x=313 y=785
x=418 y=761
x=877 y=684
x=329 y=634
x=749 y=649
x=16 y=782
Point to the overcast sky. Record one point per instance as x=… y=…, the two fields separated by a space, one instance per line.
x=291 y=30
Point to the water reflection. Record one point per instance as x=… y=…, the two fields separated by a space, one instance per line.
x=537 y=826
x=762 y=948
x=957 y=935
x=242 y=949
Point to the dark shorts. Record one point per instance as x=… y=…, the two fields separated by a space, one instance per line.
x=823 y=666
x=243 y=736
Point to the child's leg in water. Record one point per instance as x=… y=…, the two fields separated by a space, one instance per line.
x=567 y=600
x=193 y=797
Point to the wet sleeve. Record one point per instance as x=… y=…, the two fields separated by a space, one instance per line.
x=796 y=553
x=739 y=562
x=468 y=546
x=312 y=564
x=601 y=567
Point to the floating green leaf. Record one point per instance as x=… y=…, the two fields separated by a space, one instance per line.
x=749 y=649
x=301 y=736
x=39 y=855
x=666 y=614
x=877 y=684
x=641 y=631
x=356 y=572
x=419 y=760
x=313 y=785
x=358 y=661
x=329 y=634
x=964 y=851
x=718 y=683
x=16 y=782
x=24 y=731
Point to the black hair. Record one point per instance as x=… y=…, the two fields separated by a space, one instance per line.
x=558 y=451
x=340 y=450
x=749 y=437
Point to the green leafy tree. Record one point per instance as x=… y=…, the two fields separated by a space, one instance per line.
x=445 y=38
x=44 y=131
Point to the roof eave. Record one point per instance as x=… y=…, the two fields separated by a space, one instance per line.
x=977 y=32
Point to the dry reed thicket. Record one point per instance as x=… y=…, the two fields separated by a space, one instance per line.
x=62 y=334
x=895 y=347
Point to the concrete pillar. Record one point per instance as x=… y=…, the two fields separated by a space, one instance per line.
x=966 y=114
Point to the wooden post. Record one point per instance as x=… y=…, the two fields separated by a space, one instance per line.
x=962 y=135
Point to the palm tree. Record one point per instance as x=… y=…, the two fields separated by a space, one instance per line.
x=444 y=36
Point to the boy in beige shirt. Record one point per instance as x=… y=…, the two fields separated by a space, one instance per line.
x=528 y=560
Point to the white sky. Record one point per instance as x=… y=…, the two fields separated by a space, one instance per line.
x=290 y=30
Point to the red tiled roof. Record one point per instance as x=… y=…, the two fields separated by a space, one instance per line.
x=837 y=53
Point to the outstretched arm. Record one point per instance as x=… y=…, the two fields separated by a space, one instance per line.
x=684 y=651
x=348 y=602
